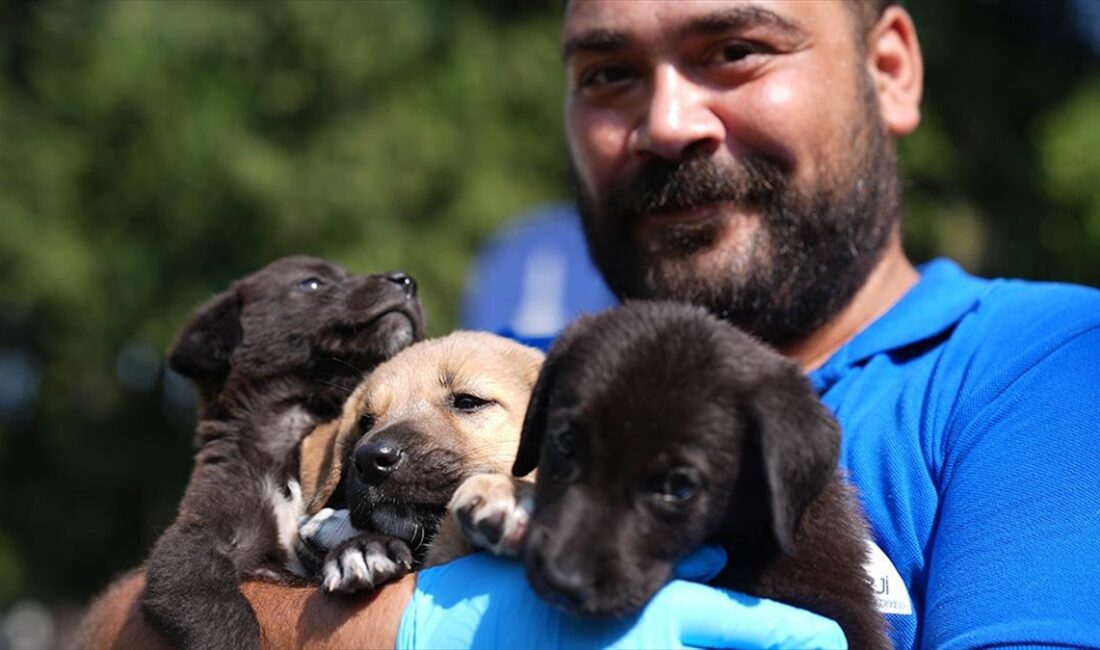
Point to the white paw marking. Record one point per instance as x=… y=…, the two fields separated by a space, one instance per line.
x=354 y=571
x=379 y=564
x=328 y=528
x=331 y=574
x=287 y=510
x=354 y=567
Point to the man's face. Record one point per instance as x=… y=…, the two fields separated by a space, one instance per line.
x=729 y=154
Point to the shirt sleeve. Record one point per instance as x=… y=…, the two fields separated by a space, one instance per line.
x=1015 y=556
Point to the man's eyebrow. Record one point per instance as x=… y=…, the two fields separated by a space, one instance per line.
x=732 y=19
x=743 y=17
x=593 y=40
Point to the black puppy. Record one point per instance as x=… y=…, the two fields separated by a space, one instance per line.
x=656 y=428
x=272 y=357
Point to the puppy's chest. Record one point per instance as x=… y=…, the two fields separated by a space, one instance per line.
x=277 y=435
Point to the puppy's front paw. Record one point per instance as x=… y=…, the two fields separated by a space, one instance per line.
x=364 y=562
x=318 y=534
x=493 y=511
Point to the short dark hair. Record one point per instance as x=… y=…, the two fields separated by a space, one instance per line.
x=869 y=11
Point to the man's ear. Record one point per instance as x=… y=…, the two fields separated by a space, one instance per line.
x=799 y=442
x=205 y=345
x=896 y=69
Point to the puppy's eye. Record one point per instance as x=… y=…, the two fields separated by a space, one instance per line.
x=560 y=468
x=679 y=485
x=310 y=284
x=366 y=422
x=467 y=402
x=565 y=441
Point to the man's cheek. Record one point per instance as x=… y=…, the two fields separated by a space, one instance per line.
x=773 y=118
x=598 y=143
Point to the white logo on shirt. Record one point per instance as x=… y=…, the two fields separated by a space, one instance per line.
x=891 y=595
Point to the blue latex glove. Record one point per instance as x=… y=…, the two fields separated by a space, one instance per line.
x=481 y=601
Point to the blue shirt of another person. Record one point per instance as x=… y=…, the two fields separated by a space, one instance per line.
x=533 y=278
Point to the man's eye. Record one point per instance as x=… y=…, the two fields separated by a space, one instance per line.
x=605 y=76
x=733 y=52
x=310 y=284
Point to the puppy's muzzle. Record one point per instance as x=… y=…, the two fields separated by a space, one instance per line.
x=557 y=577
x=376 y=460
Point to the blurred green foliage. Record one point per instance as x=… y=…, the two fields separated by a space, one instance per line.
x=152 y=151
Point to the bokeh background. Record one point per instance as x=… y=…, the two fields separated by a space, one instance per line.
x=151 y=151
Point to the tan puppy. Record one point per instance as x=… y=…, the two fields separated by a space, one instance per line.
x=436 y=414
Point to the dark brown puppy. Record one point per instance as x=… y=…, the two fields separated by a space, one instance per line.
x=656 y=428
x=272 y=357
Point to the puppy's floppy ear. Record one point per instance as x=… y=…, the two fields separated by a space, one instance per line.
x=319 y=466
x=799 y=442
x=534 y=421
x=324 y=452
x=205 y=345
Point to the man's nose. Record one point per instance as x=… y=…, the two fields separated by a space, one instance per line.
x=680 y=118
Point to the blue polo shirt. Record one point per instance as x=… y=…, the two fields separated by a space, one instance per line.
x=971 y=419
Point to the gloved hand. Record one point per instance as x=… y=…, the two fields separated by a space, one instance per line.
x=481 y=601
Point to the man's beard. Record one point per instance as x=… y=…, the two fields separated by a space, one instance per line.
x=811 y=252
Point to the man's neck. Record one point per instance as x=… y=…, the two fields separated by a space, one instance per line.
x=891 y=278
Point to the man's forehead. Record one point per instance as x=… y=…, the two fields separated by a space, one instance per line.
x=615 y=22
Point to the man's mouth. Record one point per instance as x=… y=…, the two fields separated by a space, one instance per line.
x=699 y=212
x=688 y=212
x=693 y=228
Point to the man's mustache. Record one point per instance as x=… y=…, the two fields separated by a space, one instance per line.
x=666 y=186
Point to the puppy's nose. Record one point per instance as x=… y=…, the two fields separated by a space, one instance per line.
x=377 y=460
x=405 y=281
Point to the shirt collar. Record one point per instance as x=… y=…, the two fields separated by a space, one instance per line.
x=942 y=296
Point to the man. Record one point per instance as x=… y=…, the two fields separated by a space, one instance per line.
x=740 y=155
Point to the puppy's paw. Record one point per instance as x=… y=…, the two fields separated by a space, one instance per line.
x=364 y=562
x=318 y=534
x=493 y=511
